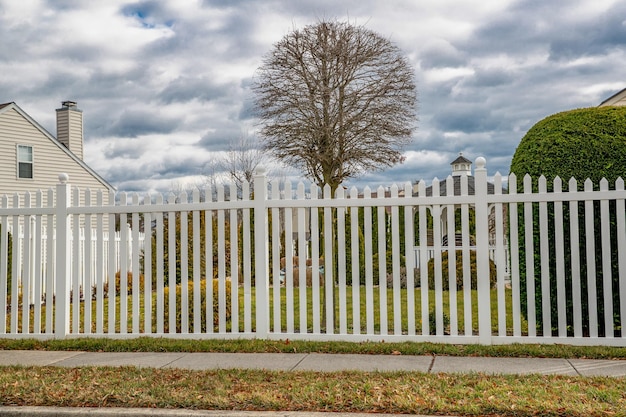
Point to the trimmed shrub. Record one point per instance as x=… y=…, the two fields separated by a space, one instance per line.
x=581 y=144
x=203 y=305
x=493 y=274
x=118 y=285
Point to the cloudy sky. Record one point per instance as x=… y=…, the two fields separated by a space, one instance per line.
x=165 y=85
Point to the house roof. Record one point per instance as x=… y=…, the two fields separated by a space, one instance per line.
x=461 y=160
x=12 y=106
x=617 y=99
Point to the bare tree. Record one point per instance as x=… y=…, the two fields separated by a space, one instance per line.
x=237 y=165
x=335 y=101
x=242 y=159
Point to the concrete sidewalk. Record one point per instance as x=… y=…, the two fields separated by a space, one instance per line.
x=318 y=362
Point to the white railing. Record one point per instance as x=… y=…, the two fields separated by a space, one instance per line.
x=86 y=280
x=296 y=263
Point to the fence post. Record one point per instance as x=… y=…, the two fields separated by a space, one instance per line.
x=482 y=252
x=261 y=254
x=63 y=260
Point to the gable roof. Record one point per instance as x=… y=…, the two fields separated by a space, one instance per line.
x=12 y=106
x=617 y=99
x=461 y=160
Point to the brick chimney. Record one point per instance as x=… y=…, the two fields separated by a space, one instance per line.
x=70 y=127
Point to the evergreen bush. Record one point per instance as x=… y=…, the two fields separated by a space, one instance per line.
x=581 y=144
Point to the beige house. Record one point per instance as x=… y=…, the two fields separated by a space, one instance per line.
x=617 y=99
x=31 y=159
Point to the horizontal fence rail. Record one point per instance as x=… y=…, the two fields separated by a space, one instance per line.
x=499 y=262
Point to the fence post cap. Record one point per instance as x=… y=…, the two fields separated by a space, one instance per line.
x=259 y=171
x=481 y=162
x=63 y=178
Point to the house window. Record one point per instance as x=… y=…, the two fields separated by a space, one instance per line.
x=24 y=161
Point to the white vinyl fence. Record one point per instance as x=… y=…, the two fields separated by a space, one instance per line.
x=85 y=279
x=282 y=262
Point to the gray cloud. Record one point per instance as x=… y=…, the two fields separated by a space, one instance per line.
x=187 y=89
x=136 y=123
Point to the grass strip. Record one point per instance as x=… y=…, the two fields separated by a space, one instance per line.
x=150 y=344
x=369 y=392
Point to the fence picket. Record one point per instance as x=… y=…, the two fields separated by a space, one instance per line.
x=423 y=244
x=135 y=271
x=276 y=284
x=438 y=273
x=208 y=255
x=529 y=258
x=329 y=285
x=591 y=262
x=382 y=260
x=221 y=266
x=172 y=259
x=184 y=267
x=607 y=276
x=111 y=269
x=467 y=267
x=355 y=254
x=88 y=273
x=123 y=270
x=147 y=267
x=247 y=261
x=575 y=262
x=315 y=261
x=234 y=262
x=369 y=269
x=515 y=273
x=409 y=253
x=302 y=264
x=289 y=260
x=341 y=263
x=27 y=265
x=451 y=236
x=544 y=248
x=620 y=213
x=15 y=284
x=560 y=257
x=160 y=269
x=196 y=247
x=500 y=257
x=395 y=261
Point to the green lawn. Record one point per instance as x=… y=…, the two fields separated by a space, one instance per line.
x=284 y=305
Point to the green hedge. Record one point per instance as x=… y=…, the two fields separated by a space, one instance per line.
x=583 y=143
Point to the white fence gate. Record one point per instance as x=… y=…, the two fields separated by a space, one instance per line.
x=294 y=263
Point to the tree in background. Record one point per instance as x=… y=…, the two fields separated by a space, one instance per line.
x=241 y=161
x=582 y=144
x=336 y=100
